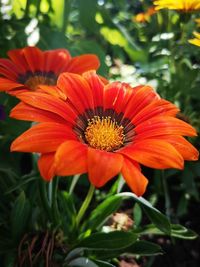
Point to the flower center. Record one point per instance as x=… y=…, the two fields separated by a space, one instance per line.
x=104 y=133
x=34 y=81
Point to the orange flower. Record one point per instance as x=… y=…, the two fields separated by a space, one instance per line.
x=103 y=130
x=30 y=67
x=145 y=17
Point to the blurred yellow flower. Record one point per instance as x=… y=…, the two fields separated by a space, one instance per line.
x=198 y=22
x=196 y=40
x=182 y=5
x=145 y=16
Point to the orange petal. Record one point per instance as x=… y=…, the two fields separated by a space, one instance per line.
x=17 y=56
x=34 y=57
x=23 y=111
x=9 y=69
x=77 y=90
x=154 y=153
x=187 y=150
x=47 y=102
x=6 y=84
x=116 y=96
x=18 y=90
x=141 y=97
x=103 y=79
x=103 y=166
x=96 y=86
x=83 y=63
x=157 y=107
x=163 y=125
x=133 y=177
x=8 y=74
x=71 y=158
x=46 y=166
x=52 y=90
x=56 y=60
x=43 y=138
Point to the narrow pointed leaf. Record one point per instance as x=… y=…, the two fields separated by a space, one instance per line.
x=159 y=219
x=109 y=241
x=102 y=212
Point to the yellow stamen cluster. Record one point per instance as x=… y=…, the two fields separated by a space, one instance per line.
x=104 y=133
x=37 y=80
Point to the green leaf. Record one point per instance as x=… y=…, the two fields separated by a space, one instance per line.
x=23 y=181
x=75 y=253
x=182 y=232
x=139 y=248
x=137 y=214
x=177 y=231
x=57 y=15
x=18 y=7
x=127 y=36
x=50 y=38
x=113 y=36
x=144 y=248
x=136 y=55
x=82 y=262
x=87 y=11
x=160 y=220
x=109 y=241
x=68 y=214
x=20 y=216
x=102 y=212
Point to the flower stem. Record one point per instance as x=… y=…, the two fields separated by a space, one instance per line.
x=50 y=192
x=55 y=210
x=27 y=7
x=66 y=12
x=44 y=199
x=85 y=204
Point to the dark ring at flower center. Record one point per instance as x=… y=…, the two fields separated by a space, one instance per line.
x=33 y=79
x=104 y=129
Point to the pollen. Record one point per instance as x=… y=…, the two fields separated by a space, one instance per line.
x=104 y=133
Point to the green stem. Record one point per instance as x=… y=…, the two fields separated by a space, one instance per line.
x=38 y=8
x=26 y=11
x=183 y=31
x=50 y=192
x=55 y=210
x=44 y=199
x=66 y=12
x=85 y=204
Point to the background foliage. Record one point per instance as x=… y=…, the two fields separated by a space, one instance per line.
x=155 y=52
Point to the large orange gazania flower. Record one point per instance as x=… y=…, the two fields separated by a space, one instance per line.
x=103 y=130
x=30 y=67
x=181 y=5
